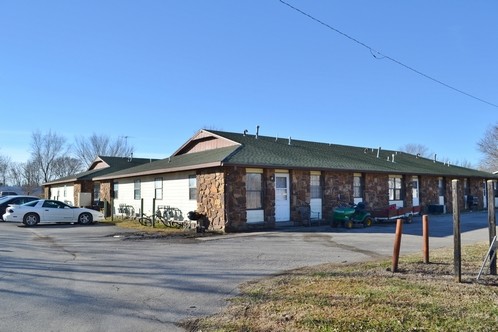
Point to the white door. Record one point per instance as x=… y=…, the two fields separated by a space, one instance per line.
x=415 y=191
x=282 y=199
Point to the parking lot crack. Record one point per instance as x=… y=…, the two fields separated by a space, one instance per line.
x=53 y=244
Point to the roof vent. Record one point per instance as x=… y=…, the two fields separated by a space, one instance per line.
x=290 y=140
x=130 y=158
x=378 y=152
x=435 y=155
x=393 y=158
x=417 y=156
x=257 y=132
x=245 y=132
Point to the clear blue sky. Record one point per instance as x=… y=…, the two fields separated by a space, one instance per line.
x=157 y=71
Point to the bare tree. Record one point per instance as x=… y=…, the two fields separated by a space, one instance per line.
x=46 y=149
x=488 y=145
x=31 y=176
x=415 y=149
x=16 y=174
x=4 y=168
x=66 y=166
x=87 y=149
x=25 y=175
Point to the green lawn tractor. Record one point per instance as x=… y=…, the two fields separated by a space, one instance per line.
x=352 y=215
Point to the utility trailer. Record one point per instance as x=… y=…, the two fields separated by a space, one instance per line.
x=392 y=213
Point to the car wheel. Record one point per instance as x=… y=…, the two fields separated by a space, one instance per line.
x=31 y=219
x=85 y=218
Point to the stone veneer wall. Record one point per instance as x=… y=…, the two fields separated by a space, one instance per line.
x=300 y=191
x=376 y=191
x=105 y=196
x=77 y=190
x=269 y=197
x=211 y=197
x=408 y=197
x=235 y=193
x=476 y=189
x=429 y=193
x=337 y=188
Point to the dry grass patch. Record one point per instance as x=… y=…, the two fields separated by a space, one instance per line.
x=136 y=225
x=367 y=297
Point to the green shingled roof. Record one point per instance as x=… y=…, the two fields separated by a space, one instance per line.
x=290 y=153
x=270 y=152
x=115 y=164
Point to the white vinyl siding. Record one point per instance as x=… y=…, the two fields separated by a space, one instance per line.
x=175 y=193
x=64 y=193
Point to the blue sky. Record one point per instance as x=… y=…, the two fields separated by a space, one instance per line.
x=157 y=71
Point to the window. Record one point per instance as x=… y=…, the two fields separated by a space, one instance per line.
x=395 y=188
x=96 y=192
x=158 y=188
x=253 y=191
x=137 y=191
x=115 y=189
x=315 y=187
x=192 y=187
x=358 y=184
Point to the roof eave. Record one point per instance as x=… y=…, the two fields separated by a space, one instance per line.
x=159 y=171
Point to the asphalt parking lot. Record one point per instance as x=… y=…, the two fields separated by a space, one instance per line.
x=99 y=278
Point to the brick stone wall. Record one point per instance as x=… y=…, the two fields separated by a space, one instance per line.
x=300 y=191
x=429 y=193
x=376 y=190
x=77 y=190
x=337 y=188
x=235 y=198
x=211 y=197
x=269 y=197
x=105 y=196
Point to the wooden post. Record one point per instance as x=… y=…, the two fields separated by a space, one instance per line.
x=457 y=245
x=397 y=244
x=153 y=212
x=141 y=210
x=425 y=235
x=491 y=224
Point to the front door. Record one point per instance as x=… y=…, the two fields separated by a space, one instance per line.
x=282 y=199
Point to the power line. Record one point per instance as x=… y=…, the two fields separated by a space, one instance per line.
x=379 y=55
